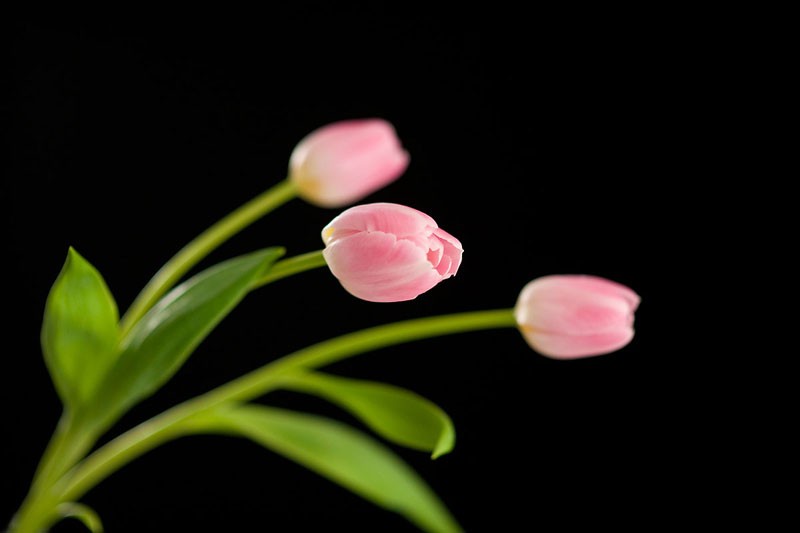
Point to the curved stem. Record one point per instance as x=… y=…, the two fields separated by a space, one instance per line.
x=202 y=245
x=81 y=512
x=71 y=440
x=330 y=351
x=51 y=455
x=177 y=421
x=290 y=266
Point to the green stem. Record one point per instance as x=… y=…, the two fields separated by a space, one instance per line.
x=70 y=442
x=73 y=439
x=80 y=512
x=330 y=351
x=177 y=421
x=290 y=266
x=202 y=245
x=53 y=452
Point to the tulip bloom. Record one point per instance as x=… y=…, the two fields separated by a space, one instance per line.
x=389 y=252
x=343 y=162
x=566 y=317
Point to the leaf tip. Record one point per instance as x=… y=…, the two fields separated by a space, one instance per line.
x=75 y=259
x=438 y=452
x=443 y=447
x=72 y=253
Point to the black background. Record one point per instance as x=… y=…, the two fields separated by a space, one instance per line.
x=546 y=143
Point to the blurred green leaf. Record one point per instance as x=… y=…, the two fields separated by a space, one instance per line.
x=343 y=455
x=81 y=512
x=79 y=330
x=167 y=334
x=397 y=414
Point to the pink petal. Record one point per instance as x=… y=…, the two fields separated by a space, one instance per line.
x=576 y=305
x=559 y=346
x=344 y=161
x=399 y=220
x=377 y=267
x=451 y=252
x=576 y=316
x=389 y=252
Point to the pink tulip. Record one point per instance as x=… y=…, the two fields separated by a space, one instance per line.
x=343 y=162
x=389 y=252
x=566 y=317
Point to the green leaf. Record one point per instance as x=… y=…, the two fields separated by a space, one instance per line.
x=167 y=334
x=397 y=414
x=343 y=455
x=79 y=330
x=81 y=512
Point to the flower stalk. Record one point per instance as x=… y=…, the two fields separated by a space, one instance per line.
x=187 y=417
x=202 y=245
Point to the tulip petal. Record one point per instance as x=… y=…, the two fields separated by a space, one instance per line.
x=386 y=252
x=345 y=161
x=378 y=267
x=568 y=304
x=399 y=220
x=571 y=316
x=451 y=253
x=558 y=346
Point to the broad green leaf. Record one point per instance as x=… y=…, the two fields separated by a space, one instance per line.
x=81 y=512
x=343 y=455
x=79 y=330
x=168 y=333
x=397 y=414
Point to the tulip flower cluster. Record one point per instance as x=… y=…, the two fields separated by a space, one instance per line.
x=102 y=365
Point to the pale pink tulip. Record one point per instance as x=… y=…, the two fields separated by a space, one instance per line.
x=343 y=162
x=389 y=252
x=571 y=316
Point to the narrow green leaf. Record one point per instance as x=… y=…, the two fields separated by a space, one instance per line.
x=397 y=414
x=81 y=512
x=79 y=330
x=343 y=455
x=167 y=334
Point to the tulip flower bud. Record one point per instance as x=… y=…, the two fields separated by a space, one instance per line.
x=567 y=317
x=343 y=162
x=389 y=252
